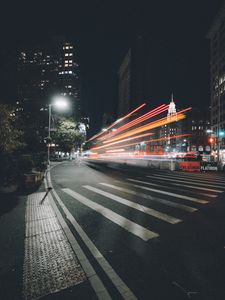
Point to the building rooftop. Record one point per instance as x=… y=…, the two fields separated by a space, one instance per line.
x=219 y=18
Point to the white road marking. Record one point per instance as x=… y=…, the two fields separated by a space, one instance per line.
x=142 y=208
x=96 y=283
x=190 y=186
x=192 y=181
x=165 y=202
x=203 y=176
x=122 y=288
x=167 y=193
x=130 y=226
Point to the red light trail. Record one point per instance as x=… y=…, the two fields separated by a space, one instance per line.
x=152 y=125
x=162 y=108
x=118 y=121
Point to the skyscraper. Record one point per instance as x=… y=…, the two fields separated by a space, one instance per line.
x=216 y=35
x=45 y=71
x=131 y=78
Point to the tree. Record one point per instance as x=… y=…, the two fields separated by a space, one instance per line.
x=67 y=136
x=10 y=136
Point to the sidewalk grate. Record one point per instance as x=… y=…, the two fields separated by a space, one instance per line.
x=50 y=264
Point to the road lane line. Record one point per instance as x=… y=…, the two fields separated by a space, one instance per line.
x=165 y=202
x=142 y=208
x=130 y=226
x=204 y=176
x=96 y=283
x=167 y=193
x=122 y=288
x=191 y=181
x=190 y=186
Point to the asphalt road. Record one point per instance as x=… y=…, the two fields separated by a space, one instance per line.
x=161 y=232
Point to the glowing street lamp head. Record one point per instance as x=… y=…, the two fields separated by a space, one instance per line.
x=60 y=103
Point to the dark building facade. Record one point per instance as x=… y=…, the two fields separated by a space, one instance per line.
x=197 y=124
x=46 y=71
x=216 y=35
x=131 y=78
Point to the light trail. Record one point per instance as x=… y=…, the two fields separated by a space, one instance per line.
x=155 y=140
x=148 y=115
x=168 y=138
x=116 y=150
x=118 y=121
x=128 y=139
x=179 y=116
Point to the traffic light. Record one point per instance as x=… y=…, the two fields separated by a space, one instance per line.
x=211 y=140
x=222 y=133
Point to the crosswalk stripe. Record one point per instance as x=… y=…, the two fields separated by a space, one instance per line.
x=142 y=208
x=130 y=226
x=191 y=181
x=167 y=193
x=123 y=289
x=189 y=186
x=193 y=187
x=201 y=175
x=191 y=176
x=165 y=202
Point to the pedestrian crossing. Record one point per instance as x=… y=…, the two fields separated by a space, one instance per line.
x=193 y=186
x=193 y=199
x=142 y=208
x=125 y=223
x=191 y=181
x=159 y=191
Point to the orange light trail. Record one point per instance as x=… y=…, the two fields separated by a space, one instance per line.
x=131 y=144
x=163 y=121
x=128 y=139
x=168 y=138
x=140 y=119
x=118 y=121
x=155 y=140
x=116 y=150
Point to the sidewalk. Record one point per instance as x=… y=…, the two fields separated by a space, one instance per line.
x=12 y=232
x=36 y=259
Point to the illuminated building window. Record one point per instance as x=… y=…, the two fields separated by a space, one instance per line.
x=66 y=65
x=66 y=54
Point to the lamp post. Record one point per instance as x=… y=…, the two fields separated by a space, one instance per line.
x=60 y=103
x=49 y=131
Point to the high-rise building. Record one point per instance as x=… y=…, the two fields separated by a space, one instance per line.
x=198 y=124
x=131 y=78
x=47 y=71
x=216 y=35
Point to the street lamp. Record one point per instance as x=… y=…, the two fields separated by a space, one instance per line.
x=60 y=103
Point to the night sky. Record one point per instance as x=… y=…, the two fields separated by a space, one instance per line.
x=102 y=29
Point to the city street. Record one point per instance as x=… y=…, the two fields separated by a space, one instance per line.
x=149 y=234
